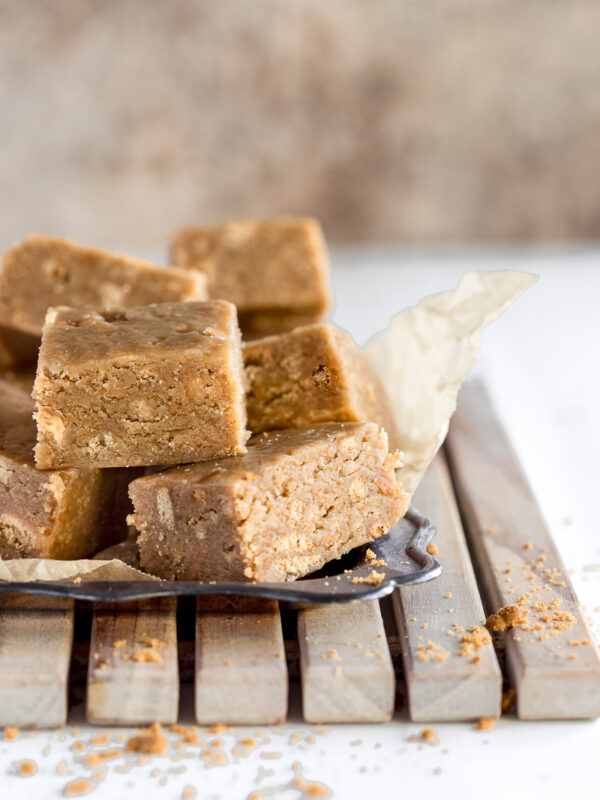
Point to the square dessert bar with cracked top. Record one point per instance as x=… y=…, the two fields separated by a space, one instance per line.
x=157 y=385
x=296 y=500
x=64 y=514
x=313 y=374
x=272 y=269
x=43 y=271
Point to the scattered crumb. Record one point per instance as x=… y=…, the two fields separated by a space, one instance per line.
x=448 y=595
x=431 y=652
x=77 y=747
x=527 y=545
x=337 y=671
x=26 y=768
x=369 y=555
x=145 y=656
x=150 y=741
x=11 y=733
x=372 y=579
x=120 y=643
x=485 y=724
x=506 y=618
x=95 y=759
x=150 y=642
x=219 y=728
x=473 y=639
x=429 y=735
x=432 y=549
x=77 y=788
x=189 y=793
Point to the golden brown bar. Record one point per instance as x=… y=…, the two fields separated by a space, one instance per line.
x=313 y=374
x=156 y=385
x=60 y=514
x=261 y=265
x=43 y=271
x=296 y=500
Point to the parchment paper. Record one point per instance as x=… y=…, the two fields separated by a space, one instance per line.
x=427 y=352
x=422 y=357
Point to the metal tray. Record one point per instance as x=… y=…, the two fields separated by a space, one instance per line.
x=404 y=550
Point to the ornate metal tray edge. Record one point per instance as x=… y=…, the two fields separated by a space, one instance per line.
x=401 y=558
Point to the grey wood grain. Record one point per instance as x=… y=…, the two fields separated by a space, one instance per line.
x=241 y=673
x=131 y=682
x=446 y=679
x=515 y=555
x=36 y=635
x=345 y=665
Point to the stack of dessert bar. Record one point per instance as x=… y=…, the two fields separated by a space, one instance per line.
x=245 y=459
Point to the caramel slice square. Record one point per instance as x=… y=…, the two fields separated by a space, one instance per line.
x=296 y=500
x=313 y=374
x=43 y=271
x=271 y=264
x=156 y=385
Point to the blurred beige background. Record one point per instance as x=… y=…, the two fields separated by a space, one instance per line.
x=411 y=121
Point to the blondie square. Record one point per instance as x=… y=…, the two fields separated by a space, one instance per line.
x=272 y=264
x=42 y=272
x=296 y=500
x=60 y=514
x=313 y=374
x=156 y=385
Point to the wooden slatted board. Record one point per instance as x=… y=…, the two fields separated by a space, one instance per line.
x=241 y=674
x=36 y=635
x=516 y=557
x=345 y=668
x=133 y=675
x=345 y=664
x=451 y=673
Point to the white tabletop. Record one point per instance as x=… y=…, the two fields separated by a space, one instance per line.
x=541 y=362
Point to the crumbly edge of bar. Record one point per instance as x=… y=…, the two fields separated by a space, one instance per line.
x=363 y=502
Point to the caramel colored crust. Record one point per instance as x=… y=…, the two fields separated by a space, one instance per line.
x=156 y=385
x=55 y=514
x=42 y=272
x=296 y=500
x=313 y=374
x=260 y=265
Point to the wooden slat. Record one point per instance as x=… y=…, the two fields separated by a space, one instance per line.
x=36 y=635
x=510 y=542
x=241 y=672
x=123 y=688
x=450 y=681
x=345 y=665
